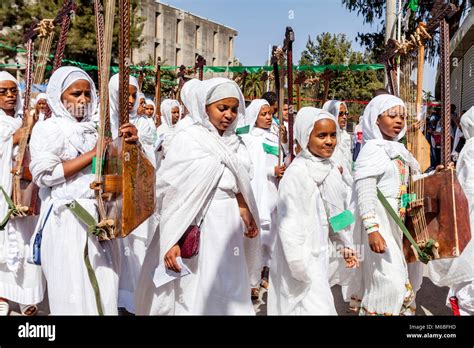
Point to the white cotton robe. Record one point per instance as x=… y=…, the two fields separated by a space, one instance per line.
x=264 y=182
x=20 y=281
x=201 y=167
x=299 y=276
x=54 y=141
x=383 y=283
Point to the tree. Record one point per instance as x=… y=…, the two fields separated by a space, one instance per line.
x=332 y=49
x=373 y=10
x=16 y=16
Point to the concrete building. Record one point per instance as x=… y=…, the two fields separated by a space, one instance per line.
x=462 y=65
x=178 y=37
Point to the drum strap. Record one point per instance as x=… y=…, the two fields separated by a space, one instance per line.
x=422 y=256
x=84 y=216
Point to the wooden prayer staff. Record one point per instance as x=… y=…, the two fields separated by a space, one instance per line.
x=200 y=62
x=181 y=79
x=288 y=47
x=158 y=93
x=300 y=79
x=327 y=76
x=277 y=61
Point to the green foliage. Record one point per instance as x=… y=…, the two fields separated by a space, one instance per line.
x=18 y=15
x=346 y=85
x=168 y=79
x=373 y=10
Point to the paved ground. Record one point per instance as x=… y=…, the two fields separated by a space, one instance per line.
x=430 y=300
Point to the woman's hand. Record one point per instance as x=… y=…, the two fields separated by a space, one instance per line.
x=249 y=221
x=279 y=170
x=350 y=256
x=130 y=132
x=377 y=243
x=252 y=230
x=170 y=258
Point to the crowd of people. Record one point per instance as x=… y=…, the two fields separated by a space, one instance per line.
x=295 y=227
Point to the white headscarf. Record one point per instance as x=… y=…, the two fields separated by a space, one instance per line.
x=166 y=106
x=115 y=102
x=59 y=82
x=6 y=76
x=75 y=131
x=333 y=107
x=38 y=98
x=252 y=112
x=152 y=103
x=210 y=91
x=318 y=167
x=369 y=162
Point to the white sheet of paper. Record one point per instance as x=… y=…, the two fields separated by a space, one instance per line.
x=162 y=275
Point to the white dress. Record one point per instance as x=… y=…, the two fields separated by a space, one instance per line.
x=299 y=276
x=219 y=283
x=264 y=179
x=64 y=237
x=20 y=281
x=385 y=288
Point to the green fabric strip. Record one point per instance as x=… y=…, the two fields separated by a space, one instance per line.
x=84 y=216
x=11 y=208
x=272 y=150
x=242 y=130
x=422 y=256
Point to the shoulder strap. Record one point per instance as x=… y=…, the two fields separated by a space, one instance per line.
x=422 y=256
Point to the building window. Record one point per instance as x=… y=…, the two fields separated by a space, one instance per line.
x=197 y=37
x=229 y=48
x=179 y=24
x=214 y=42
x=157 y=24
x=214 y=61
x=157 y=50
x=179 y=58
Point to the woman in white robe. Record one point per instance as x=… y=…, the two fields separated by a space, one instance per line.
x=383 y=286
x=310 y=192
x=134 y=246
x=20 y=281
x=150 y=112
x=458 y=273
x=205 y=176
x=170 y=115
x=342 y=155
x=262 y=145
x=40 y=105
x=62 y=148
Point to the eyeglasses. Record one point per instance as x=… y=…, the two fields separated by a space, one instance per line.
x=4 y=91
x=343 y=113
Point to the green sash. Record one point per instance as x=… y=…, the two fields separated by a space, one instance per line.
x=272 y=150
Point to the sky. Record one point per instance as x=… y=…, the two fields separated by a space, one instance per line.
x=261 y=23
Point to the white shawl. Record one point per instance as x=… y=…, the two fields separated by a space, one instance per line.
x=194 y=163
x=8 y=127
x=377 y=152
x=254 y=141
x=303 y=222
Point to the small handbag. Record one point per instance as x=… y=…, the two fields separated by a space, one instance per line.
x=189 y=242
